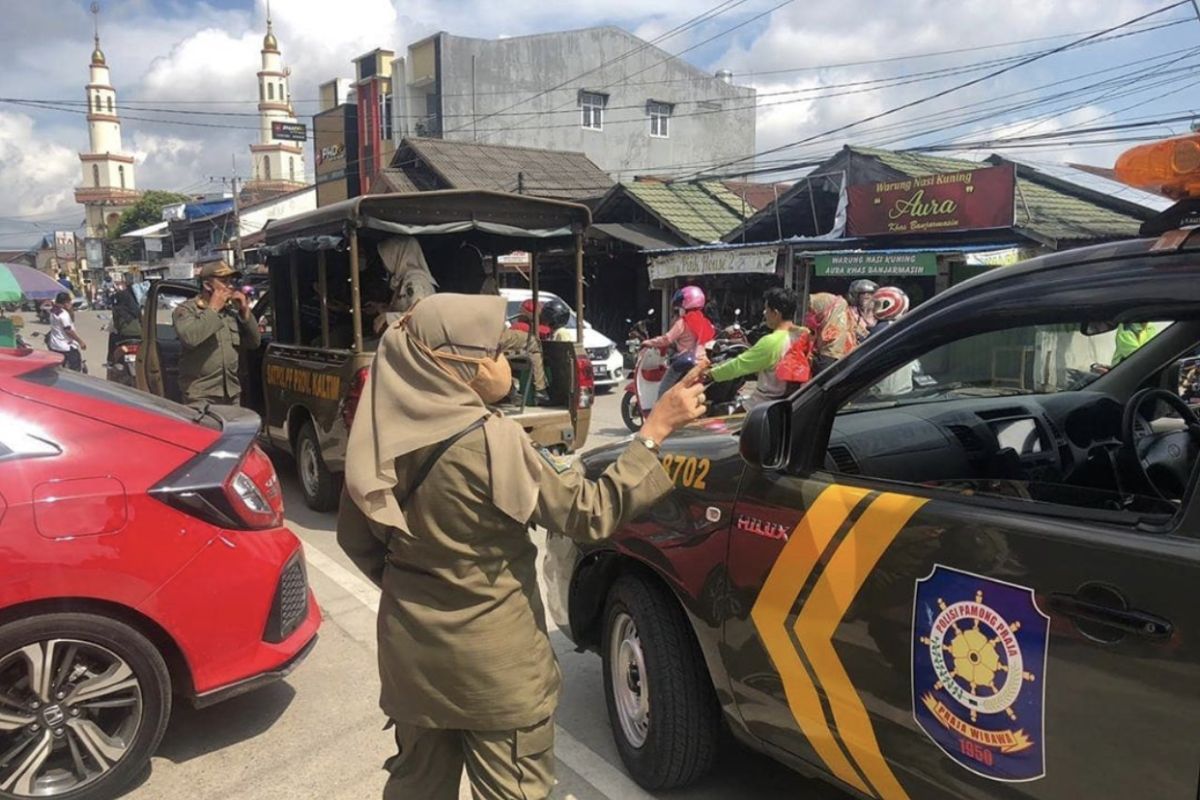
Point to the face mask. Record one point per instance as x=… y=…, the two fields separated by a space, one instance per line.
x=493 y=380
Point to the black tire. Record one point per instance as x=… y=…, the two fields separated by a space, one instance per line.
x=320 y=487
x=97 y=635
x=631 y=413
x=680 y=742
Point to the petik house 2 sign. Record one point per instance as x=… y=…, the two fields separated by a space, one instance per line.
x=950 y=201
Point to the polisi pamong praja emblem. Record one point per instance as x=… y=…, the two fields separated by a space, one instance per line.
x=979 y=660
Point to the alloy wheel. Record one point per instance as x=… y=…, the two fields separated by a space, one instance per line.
x=69 y=710
x=310 y=468
x=628 y=675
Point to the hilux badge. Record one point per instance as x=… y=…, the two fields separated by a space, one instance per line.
x=979 y=668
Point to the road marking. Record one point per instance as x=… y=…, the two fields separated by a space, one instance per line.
x=577 y=756
x=360 y=588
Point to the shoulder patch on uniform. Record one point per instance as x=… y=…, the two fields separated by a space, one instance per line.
x=559 y=464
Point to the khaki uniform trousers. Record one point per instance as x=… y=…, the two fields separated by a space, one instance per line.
x=501 y=765
x=519 y=343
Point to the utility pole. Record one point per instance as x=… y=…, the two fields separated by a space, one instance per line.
x=239 y=258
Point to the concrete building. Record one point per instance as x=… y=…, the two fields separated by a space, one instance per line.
x=374 y=98
x=108 y=187
x=335 y=142
x=278 y=158
x=637 y=111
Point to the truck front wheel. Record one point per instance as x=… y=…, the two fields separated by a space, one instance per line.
x=661 y=705
x=320 y=486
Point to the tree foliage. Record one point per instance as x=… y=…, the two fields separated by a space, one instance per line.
x=146 y=211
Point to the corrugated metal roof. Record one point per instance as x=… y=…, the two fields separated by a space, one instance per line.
x=691 y=209
x=542 y=173
x=1045 y=212
x=1097 y=183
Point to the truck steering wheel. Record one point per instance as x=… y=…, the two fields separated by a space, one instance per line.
x=1164 y=460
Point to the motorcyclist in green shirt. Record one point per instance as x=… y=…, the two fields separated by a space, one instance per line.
x=779 y=309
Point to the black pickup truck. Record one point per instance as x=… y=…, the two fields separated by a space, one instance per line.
x=985 y=586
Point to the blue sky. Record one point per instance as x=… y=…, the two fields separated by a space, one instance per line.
x=203 y=56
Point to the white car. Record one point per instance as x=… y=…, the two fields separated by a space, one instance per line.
x=608 y=364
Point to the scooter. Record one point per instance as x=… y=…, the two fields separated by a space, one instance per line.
x=642 y=391
x=122 y=362
x=638 y=332
x=655 y=374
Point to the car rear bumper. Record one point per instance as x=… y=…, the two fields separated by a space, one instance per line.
x=240 y=610
x=257 y=681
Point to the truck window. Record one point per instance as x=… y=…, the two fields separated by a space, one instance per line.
x=1005 y=414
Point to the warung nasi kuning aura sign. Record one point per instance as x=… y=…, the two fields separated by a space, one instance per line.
x=951 y=201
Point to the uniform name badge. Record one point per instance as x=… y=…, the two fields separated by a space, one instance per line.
x=979 y=669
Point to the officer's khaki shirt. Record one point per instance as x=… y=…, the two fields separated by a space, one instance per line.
x=462 y=630
x=208 y=365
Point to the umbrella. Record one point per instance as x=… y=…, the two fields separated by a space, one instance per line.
x=18 y=281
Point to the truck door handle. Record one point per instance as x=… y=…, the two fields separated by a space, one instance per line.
x=1128 y=621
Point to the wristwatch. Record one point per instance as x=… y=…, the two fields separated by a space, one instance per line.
x=651 y=445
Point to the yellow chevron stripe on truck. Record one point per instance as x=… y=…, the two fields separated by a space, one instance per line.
x=820 y=615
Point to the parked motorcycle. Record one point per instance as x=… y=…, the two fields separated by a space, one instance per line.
x=638 y=332
x=122 y=362
x=655 y=373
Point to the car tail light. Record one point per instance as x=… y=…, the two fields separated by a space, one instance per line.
x=587 y=382
x=253 y=491
x=350 y=404
x=231 y=485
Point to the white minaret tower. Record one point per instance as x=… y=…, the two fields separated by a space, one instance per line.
x=108 y=187
x=278 y=163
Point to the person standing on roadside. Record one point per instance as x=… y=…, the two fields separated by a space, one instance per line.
x=439 y=499
x=63 y=338
x=214 y=328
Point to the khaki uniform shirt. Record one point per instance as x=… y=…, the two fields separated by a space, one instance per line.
x=208 y=365
x=462 y=631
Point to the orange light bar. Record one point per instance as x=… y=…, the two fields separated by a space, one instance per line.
x=1171 y=166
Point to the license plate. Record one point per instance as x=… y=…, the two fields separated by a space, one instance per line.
x=600 y=372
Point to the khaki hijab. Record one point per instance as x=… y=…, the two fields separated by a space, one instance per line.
x=414 y=400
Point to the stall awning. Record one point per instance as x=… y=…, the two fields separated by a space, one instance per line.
x=638 y=234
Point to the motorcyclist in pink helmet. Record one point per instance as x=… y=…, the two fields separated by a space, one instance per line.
x=692 y=330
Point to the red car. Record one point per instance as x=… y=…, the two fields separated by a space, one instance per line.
x=142 y=556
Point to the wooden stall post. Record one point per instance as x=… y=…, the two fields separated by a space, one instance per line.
x=355 y=293
x=579 y=287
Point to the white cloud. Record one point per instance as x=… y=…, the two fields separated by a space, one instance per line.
x=38 y=176
x=166 y=51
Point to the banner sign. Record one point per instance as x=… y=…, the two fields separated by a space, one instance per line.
x=289 y=131
x=94 y=250
x=879 y=265
x=713 y=262
x=64 y=244
x=951 y=201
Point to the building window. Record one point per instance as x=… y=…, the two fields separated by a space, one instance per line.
x=121 y=174
x=99 y=107
x=292 y=168
x=95 y=175
x=262 y=92
x=385 y=116
x=270 y=91
x=110 y=104
x=591 y=106
x=660 y=117
x=266 y=168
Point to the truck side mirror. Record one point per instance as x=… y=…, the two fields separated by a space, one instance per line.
x=766 y=435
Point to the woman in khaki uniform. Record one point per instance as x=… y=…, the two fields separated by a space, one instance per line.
x=440 y=496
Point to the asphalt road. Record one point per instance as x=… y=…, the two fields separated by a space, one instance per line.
x=319 y=734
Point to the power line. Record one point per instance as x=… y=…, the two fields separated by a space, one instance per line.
x=957 y=87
